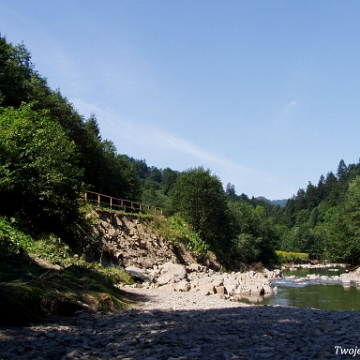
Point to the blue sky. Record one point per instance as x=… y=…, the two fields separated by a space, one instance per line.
x=266 y=94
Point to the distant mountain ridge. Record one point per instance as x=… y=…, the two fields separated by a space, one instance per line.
x=280 y=203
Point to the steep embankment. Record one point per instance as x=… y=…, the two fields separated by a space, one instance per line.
x=131 y=241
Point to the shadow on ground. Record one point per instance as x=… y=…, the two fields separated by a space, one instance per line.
x=258 y=332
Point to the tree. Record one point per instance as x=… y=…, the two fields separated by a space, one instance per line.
x=16 y=73
x=344 y=238
x=200 y=198
x=311 y=196
x=254 y=235
x=341 y=170
x=141 y=167
x=169 y=178
x=39 y=173
x=119 y=177
x=321 y=188
x=230 y=189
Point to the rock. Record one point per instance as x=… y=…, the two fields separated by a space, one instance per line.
x=141 y=243
x=138 y=274
x=230 y=287
x=194 y=267
x=313 y=277
x=254 y=290
x=171 y=273
x=182 y=286
x=208 y=289
x=110 y=255
x=218 y=280
x=220 y=290
x=203 y=280
x=165 y=278
x=267 y=289
x=146 y=263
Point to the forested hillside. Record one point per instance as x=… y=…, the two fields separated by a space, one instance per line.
x=49 y=154
x=323 y=219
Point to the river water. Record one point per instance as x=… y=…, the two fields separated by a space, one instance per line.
x=314 y=294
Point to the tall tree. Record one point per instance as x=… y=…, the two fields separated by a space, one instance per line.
x=169 y=178
x=200 y=198
x=341 y=170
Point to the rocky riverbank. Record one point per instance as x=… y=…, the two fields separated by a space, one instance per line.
x=204 y=281
x=168 y=325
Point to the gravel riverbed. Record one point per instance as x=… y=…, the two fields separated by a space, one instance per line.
x=168 y=325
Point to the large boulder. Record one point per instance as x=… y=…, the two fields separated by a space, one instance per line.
x=206 y=289
x=138 y=274
x=171 y=273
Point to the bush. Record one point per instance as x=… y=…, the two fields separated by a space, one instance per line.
x=291 y=257
x=177 y=230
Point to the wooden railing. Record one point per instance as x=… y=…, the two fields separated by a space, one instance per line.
x=105 y=201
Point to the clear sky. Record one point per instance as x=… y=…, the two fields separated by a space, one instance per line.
x=266 y=94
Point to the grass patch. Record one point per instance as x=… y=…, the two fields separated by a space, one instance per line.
x=135 y=215
x=29 y=291
x=177 y=230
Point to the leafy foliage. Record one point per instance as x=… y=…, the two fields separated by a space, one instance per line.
x=254 y=233
x=177 y=230
x=199 y=197
x=16 y=74
x=291 y=257
x=39 y=176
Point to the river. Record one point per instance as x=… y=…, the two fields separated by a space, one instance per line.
x=313 y=294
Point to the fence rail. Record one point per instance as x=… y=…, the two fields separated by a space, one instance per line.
x=105 y=201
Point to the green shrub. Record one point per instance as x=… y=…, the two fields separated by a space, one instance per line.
x=177 y=230
x=291 y=257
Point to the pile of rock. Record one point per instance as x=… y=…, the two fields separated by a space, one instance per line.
x=351 y=277
x=128 y=242
x=154 y=261
x=198 y=278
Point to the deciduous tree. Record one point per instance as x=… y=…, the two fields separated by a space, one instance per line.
x=39 y=173
x=200 y=198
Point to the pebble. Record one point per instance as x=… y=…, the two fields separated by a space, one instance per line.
x=187 y=326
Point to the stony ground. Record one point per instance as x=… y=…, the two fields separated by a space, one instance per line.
x=171 y=325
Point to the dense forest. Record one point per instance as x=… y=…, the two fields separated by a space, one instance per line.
x=49 y=154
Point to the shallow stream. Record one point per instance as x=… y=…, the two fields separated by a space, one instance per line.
x=324 y=295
